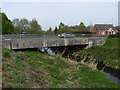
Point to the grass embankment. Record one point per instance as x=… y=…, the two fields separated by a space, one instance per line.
x=108 y=52
x=40 y=70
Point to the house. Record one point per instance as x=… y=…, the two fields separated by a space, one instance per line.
x=104 y=29
x=118 y=28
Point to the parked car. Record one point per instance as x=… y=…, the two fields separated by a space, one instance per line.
x=66 y=35
x=24 y=33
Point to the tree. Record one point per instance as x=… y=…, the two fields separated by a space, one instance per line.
x=49 y=31
x=87 y=29
x=35 y=28
x=82 y=27
x=20 y=25
x=17 y=28
x=7 y=26
x=55 y=31
x=24 y=25
x=62 y=25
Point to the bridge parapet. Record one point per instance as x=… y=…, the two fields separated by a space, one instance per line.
x=45 y=36
x=22 y=44
x=51 y=42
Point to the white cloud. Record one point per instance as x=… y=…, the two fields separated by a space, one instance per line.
x=60 y=0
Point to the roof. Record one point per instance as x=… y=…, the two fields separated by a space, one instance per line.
x=104 y=27
x=118 y=28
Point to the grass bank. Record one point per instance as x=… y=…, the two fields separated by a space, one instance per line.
x=40 y=70
x=108 y=52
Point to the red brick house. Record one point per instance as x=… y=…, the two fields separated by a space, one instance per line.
x=104 y=29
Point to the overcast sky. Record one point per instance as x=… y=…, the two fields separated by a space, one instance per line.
x=50 y=14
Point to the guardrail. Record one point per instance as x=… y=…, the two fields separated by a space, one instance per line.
x=44 y=36
x=28 y=36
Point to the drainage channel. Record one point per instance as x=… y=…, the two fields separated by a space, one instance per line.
x=111 y=77
x=48 y=50
x=108 y=75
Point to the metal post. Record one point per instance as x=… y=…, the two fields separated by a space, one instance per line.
x=20 y=36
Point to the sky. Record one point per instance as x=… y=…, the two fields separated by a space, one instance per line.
x=50 y=14
x=59 y=0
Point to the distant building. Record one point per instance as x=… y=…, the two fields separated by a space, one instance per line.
x=104 y=29
x=119 y=13
x=118 y=28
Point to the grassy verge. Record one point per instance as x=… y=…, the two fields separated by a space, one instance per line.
x=40 y=70
x=109 y=52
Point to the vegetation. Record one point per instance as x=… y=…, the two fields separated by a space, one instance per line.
x=6 y=54
x=30 y=69
x=7 y=27
x=62 y=25
x=77 y=29
x=65 y=30
x=49 y=31
x=112 y=43
x=72 y=29
x=17 y=26
x=55 y=31
x=82 y=27
x=109 y=52
x=24 y=25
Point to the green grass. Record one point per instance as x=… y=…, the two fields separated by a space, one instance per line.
x=6 y=54
x=40 y=70
x=112 y=43
x=109 y=52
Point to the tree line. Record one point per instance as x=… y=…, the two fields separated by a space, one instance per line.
x=24 y=25
x=17 y=26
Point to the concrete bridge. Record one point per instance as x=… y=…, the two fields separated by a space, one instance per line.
x=24 y=42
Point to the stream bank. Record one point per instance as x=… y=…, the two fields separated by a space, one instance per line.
x=111 y=73
x=67 y=52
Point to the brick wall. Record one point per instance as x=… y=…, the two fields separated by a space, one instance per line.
x=94 y=30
